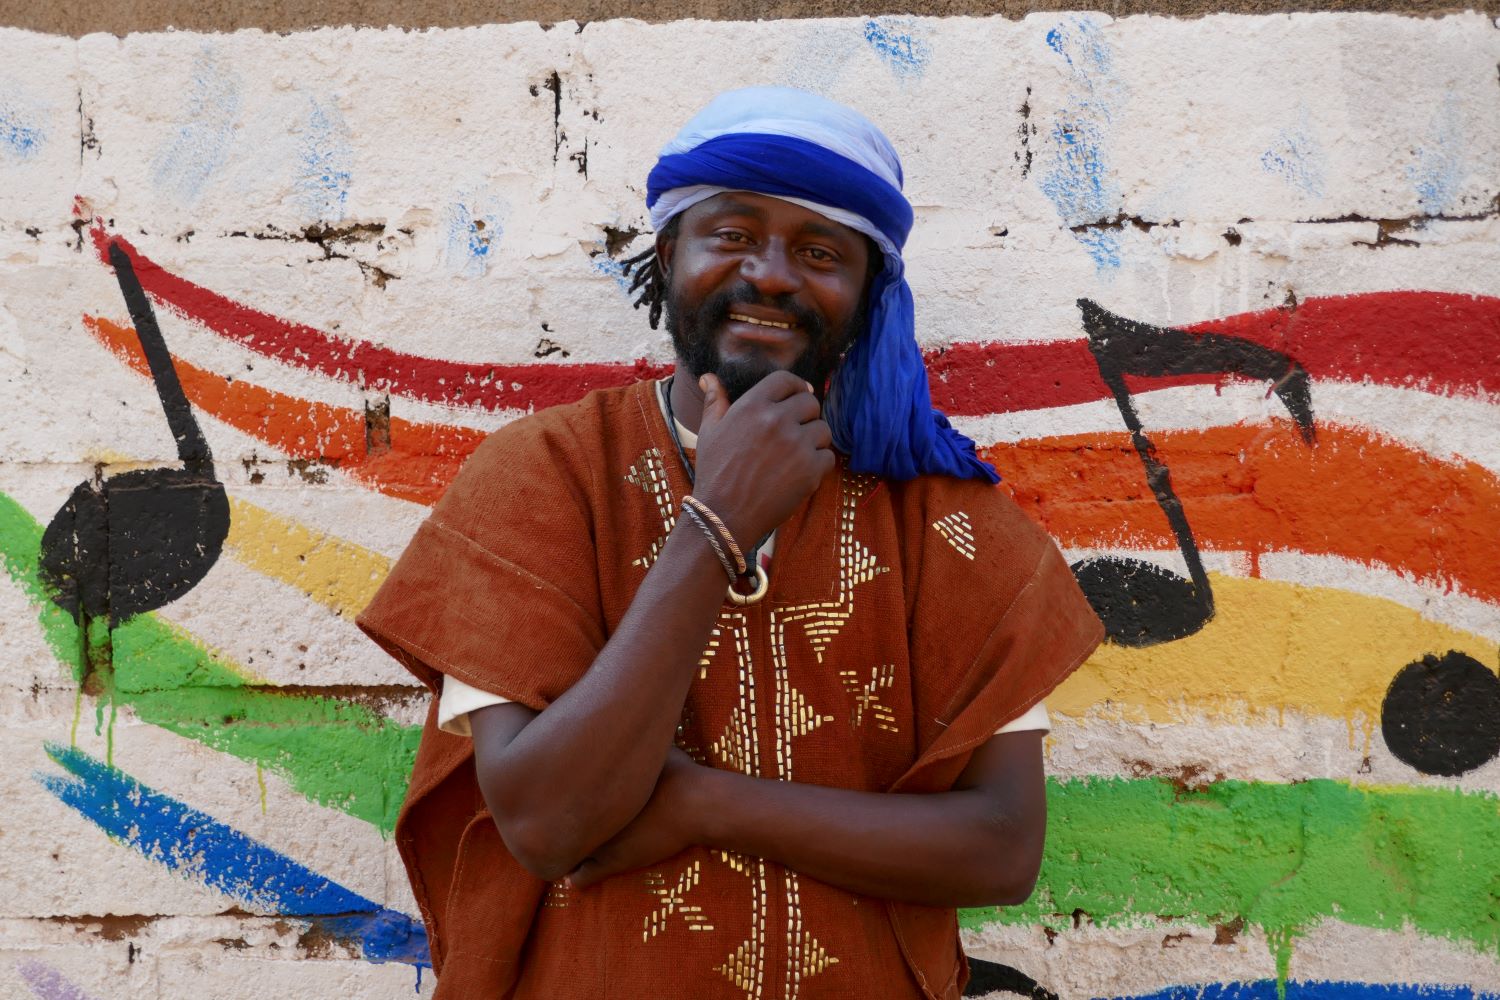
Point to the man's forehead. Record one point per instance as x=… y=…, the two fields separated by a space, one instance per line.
x=764 y=207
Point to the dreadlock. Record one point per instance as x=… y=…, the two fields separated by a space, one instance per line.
x=648 y=283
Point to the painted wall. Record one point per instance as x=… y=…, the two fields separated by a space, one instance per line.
x=1219 y=297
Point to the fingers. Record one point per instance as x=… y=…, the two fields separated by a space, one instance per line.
x=715 y=400
x=780 y=385
x=818 y=434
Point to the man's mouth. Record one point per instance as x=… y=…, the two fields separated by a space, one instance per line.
x=742 y=318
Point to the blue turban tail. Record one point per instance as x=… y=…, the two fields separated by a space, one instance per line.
x=879 y=405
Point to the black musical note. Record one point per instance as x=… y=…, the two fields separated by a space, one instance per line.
x=1140 y=603
x=137 y=541
x=992 y=977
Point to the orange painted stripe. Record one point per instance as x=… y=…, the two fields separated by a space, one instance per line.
x=420 y=463
x=1259 y=488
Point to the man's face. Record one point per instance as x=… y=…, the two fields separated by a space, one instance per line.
x=756 y=284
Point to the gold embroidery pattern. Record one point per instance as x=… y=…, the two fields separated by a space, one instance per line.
x=805 y=957
x=867 y=697
x=649 y=472
x=794 y=717
x=957 y=532
x=558 y=895
x=738 y=747
x=674 y=900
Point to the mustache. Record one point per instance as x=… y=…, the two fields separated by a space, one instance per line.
x=716 y=308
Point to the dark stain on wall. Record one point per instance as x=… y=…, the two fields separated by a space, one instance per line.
x=1441 y=714
x=277 y=15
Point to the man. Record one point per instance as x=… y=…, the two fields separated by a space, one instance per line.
x=735 y=658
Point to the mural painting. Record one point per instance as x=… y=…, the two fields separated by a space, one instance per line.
x=1303 y=565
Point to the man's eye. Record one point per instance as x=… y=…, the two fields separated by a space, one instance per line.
x=732 y=237
x=820 y=255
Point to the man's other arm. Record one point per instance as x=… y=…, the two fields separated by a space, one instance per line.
x=561 y=782
x=978 y=844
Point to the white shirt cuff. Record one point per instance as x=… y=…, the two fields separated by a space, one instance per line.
x=1033 y=718
x=457 y=701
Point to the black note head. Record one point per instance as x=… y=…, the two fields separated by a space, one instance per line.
x=1441 y=714
x=134 y=543
x=1140 y=603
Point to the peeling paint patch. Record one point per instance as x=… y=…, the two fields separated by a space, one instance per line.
x=473 y=225
x=896 y=42
x=201 y=145
x=1079 y=180
x=47 y=983
x=325 y=162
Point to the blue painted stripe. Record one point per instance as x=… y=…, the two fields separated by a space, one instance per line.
x=199 y=847
x=1265 y=989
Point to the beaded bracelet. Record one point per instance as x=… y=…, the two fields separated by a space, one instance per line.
x=713 y=540
x=692 y=503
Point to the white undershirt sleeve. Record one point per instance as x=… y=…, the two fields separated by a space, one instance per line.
x=1033 y=718
x=457 y=701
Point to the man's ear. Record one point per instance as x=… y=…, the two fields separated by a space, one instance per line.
x=666 y=244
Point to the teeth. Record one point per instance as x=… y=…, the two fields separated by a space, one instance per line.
x=759 y=322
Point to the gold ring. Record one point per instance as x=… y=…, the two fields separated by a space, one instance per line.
x=762 y=584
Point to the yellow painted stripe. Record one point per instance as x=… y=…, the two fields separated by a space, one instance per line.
x=337 y=574
x=1271 y=648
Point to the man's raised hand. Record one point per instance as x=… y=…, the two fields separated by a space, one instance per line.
x=761 y=457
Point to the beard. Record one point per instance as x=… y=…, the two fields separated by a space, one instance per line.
x=693 y=336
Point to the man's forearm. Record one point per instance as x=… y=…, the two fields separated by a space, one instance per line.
x=954 y=848
x=579 y=771
x=979 y=844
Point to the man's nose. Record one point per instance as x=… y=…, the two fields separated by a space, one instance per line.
x=771 y=271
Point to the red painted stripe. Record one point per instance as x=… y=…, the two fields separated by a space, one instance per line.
x=1436 y=342
x=431 y=380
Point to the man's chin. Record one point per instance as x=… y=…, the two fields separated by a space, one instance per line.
x=740 y=375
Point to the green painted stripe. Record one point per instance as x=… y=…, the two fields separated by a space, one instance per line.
x=1283 y=857
x=335 y=753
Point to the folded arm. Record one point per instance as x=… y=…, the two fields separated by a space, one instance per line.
x=978 y=844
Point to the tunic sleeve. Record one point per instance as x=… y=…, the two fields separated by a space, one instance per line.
x=499 y=587
x=996 y=621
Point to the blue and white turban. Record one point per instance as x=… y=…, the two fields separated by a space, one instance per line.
x=807 y=150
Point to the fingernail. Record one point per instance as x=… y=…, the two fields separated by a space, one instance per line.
x=703 y=382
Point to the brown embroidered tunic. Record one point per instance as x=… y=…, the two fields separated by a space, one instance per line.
x=905 y=623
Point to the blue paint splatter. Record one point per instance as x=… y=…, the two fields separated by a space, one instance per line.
x=326 y=164
x=1079 y=182
x=199 y=847
x=21 y=137
x=895 y=43
x=1440 y=170
x=1265 y=989
x=1298 y=158
x=473 y=226
x=602 y=263
x=202 y=142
